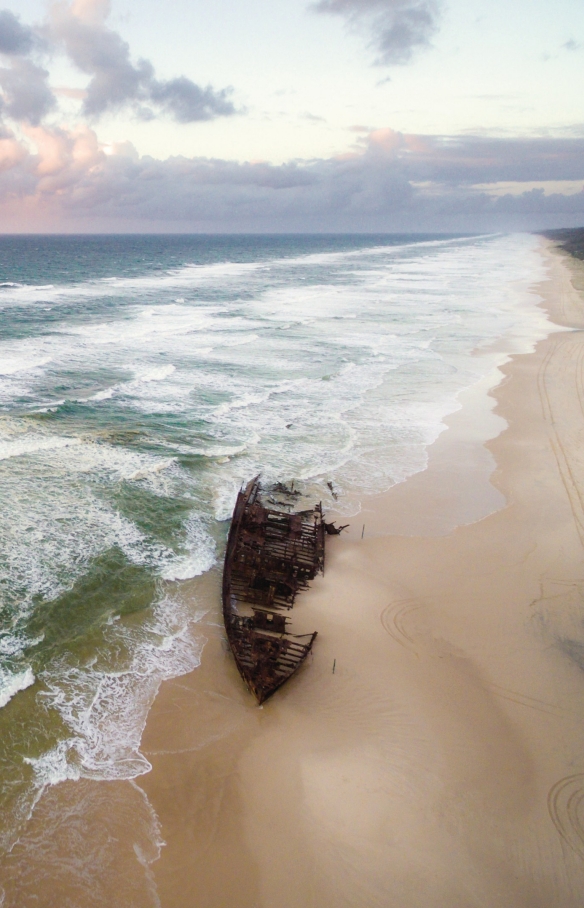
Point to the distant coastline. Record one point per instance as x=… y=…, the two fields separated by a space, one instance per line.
x=570 y=239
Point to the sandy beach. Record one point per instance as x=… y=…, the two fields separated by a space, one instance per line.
x=441 y=764
x=443 y=761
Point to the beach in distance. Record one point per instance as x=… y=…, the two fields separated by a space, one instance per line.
x=430 y=751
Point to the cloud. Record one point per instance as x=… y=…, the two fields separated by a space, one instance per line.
x=395 y=182
x=187 y=102
x=116 y=81
x=15 y=38
x=396 y=28
x=572 y=45
x=79 y=29
x=312 y=118
x=26 y=95
x=26 y=92
x=467 y=160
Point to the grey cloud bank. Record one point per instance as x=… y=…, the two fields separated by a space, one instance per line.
x=188 y=102
x=396 y=183
x=477 y=159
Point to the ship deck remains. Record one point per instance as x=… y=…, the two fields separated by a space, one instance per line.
x=271 y=556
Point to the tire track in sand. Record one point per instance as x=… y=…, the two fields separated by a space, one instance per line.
x=394 y=618
x=562 y=372
x=523 y=700
x=566 y=808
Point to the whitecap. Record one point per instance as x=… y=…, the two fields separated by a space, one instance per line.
x=11 y=365
x=32 y=443
x=157 y=374
x=106 y=394
x=200 y=555
x=12 y=683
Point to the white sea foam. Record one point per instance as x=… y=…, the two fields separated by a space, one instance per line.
x=106 y=394
x=197 y=275
x=157 y=467
x=30 y=443
x=248 y=400
x=158 y=374
x=11 y=365
x=55 y=521
x=105 y=708
x=158 y=322
x=200 y=556
x=11 y=684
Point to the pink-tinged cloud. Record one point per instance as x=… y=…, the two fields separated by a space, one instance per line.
x=78 y=94
x=61 y=180
x=12 y=153
x=92 y=12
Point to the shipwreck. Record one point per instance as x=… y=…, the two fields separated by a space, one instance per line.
x=271 y=555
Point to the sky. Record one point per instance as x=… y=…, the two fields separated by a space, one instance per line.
x=291 y=115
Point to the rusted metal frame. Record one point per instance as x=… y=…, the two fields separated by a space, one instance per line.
x=289 y=550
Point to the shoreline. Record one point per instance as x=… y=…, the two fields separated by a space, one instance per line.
x=460 y=460
x=441 y=762
x=447 y=704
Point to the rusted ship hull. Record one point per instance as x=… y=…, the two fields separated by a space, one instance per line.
x=271 y=555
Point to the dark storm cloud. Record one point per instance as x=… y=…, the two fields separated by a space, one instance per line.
x=117 y=82
x=396 y=28
x=15 y=38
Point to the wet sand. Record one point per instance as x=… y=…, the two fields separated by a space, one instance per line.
x=441 y=764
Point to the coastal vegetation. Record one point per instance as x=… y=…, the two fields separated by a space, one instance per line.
x=571 y=240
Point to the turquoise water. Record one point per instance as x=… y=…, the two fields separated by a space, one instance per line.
x=142 y=380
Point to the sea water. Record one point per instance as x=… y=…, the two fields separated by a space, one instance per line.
x=142 y=380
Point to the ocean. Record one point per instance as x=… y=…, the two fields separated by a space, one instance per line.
x=143 y=379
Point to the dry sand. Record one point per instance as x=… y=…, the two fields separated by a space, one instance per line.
x=441 y=765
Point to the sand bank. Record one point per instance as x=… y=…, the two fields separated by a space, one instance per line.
x=442 y=763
